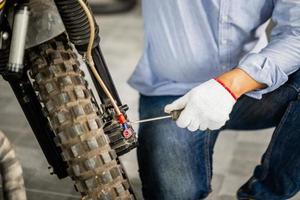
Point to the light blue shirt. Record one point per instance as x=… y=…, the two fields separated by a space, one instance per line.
x=188 y=42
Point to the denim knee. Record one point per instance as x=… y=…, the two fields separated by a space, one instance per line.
x=294 y=81
x=173 y=163
x=170 y=191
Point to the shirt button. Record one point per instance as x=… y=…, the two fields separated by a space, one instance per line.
x=224 y=41
x=224 y=18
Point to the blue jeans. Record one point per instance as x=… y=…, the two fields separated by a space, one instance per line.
x=177 y=165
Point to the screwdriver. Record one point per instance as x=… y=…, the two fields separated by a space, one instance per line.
x=174 y=116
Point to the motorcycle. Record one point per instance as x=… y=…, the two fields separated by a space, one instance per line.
x=47 y=49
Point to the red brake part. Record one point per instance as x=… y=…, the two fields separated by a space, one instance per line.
x=121 y=119
x=127 y=133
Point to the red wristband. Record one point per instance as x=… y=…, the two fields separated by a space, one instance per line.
x=230 y=92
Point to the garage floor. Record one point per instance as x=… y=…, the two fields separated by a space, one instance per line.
x=236 y=153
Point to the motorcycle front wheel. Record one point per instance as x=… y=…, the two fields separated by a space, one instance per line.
x=76 y=121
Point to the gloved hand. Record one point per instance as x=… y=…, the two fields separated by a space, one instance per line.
x=206 y=106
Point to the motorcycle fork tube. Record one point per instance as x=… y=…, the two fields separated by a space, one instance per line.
x=17 y=47
x=32 y=109
x=104 y=73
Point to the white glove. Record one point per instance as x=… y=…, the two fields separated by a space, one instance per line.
x=206 y=106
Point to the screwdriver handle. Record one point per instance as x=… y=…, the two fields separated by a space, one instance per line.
x=175 y=114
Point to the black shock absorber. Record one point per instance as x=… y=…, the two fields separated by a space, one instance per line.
x=78 y=30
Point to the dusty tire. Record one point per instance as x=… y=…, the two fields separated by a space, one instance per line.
x=72 y=114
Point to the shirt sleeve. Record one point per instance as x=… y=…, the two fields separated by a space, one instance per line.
x=281 y=57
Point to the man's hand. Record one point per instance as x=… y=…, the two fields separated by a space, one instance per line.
x=205 y=107
x=208 y=106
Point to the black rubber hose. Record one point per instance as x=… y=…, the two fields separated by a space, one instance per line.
x=116 y=6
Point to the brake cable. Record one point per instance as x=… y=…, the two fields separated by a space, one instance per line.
x=89 y=58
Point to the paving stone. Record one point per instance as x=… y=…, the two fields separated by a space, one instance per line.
x=38 y=195
x=217 y=182
x=28 y=140
x=224 y=148
x=225 y=197
x=42 y=180
x=260 y=136
x=137 y=187
x=297 y=197
x=231 y=184
x=12 y=121
x=6 y=91
x=243 y=168
x=4 y=100
x=12 y=133
x=13 y=107
x=36 y=171
x=130 y=163
x=249 y=151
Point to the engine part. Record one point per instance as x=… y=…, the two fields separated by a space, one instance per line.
x=45 y=22
x=11 y=171
x=17 y=46
x=122 y=139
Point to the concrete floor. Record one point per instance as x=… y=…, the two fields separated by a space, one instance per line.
x=236 y=153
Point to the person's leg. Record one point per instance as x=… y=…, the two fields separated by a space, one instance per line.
x=174 y=163
x=278 y=175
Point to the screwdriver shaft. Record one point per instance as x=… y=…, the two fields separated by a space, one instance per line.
x=151 y=119
x=173 y=115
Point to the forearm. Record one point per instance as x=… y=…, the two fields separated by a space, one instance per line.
x=239 y=82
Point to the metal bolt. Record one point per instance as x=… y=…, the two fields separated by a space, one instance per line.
x=51 y=170
x=5 y=35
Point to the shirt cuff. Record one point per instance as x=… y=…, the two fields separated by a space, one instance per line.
x=263 y=70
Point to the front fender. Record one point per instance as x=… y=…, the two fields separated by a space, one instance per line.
x=45 y=22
